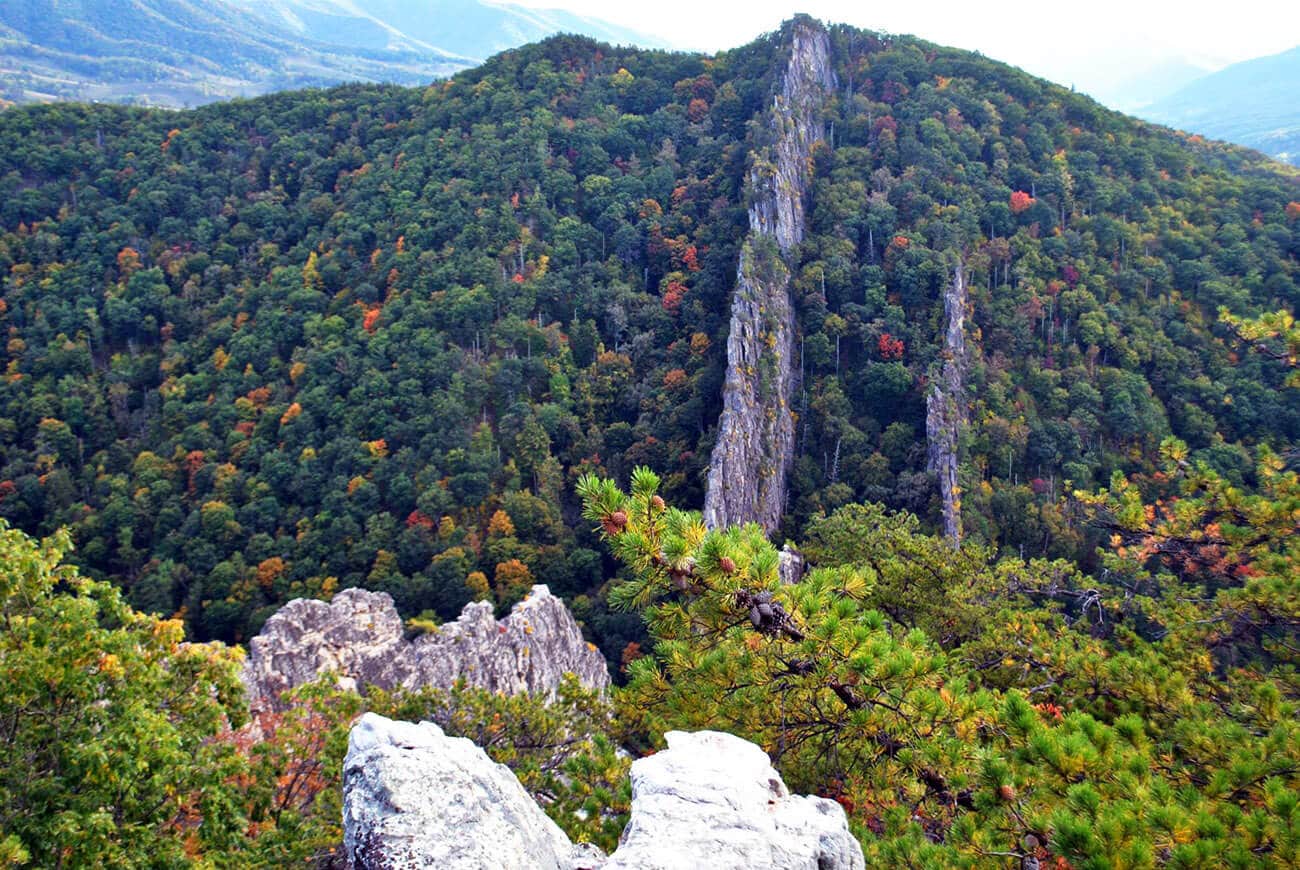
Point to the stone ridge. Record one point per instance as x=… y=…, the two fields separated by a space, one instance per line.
x=360 y=637
x=755 y=446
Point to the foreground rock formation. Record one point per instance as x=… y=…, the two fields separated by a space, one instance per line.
x=755 y=446
x=413 y=797
x=360 y=637
x=713 y=794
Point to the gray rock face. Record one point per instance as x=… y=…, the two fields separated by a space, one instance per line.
x=359 y=637
x=528 y=651
x=945 y=406
x=716 y=797
x=413 y=797
x=791 y=565
x=755 y=446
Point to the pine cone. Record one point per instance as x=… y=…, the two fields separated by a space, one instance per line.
x=615 y=523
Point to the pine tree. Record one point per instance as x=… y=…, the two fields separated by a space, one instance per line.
x=1050 y=733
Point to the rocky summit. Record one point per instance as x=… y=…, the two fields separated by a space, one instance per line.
x=360 y=637
x=413 y=797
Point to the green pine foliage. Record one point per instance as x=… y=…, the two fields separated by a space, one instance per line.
x=965 y=712
x=109 y=722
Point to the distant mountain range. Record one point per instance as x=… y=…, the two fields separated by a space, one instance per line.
x=1252 y=103
x=1133 y=90
x=468 y=28
x=185 y=52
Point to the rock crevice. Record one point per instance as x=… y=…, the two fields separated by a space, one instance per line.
x=755 y=446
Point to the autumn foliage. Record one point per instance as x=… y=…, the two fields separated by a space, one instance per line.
x=674 y=292
x=890 y=348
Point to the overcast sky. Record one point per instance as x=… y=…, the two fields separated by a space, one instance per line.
x=1095 y=45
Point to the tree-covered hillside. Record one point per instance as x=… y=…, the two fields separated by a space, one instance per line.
x=372 y=335
x=451 y=341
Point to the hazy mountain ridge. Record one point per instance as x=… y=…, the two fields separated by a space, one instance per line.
x=1134 y=90
x=476 y=29
x=182 y=53
x=1252 y=103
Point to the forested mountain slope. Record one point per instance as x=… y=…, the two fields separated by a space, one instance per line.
x=372 y=335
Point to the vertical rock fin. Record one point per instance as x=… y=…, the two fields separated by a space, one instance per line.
x=945 y=406
x=755 y=446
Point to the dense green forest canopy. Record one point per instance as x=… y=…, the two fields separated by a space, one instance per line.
x=373 y=335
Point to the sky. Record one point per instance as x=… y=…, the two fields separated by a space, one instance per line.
x=1110 y=49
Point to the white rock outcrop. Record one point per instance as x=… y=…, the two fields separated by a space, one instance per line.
x=413 y=797
x=715 y=798
x=360 y=637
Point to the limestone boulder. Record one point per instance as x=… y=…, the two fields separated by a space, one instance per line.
x=415 y=798
x=713 y=794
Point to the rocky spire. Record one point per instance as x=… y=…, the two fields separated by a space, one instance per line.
x=755 y=446
x=945 y=406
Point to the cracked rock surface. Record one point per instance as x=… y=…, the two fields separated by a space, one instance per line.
x=414 y=797
x=713 y=794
